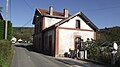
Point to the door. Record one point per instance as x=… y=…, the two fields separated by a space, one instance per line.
x=77 y=43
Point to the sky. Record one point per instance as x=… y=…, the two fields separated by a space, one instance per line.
x=103 y=13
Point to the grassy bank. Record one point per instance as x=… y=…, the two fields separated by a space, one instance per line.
x=6 y=53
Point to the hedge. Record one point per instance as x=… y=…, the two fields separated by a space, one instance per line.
x=1 y=29
x=6 y=53
x=9 y=31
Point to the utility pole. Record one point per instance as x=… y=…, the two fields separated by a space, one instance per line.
x=6 y=22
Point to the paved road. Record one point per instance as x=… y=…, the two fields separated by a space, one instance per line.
x=78 y=63
x=24 y=57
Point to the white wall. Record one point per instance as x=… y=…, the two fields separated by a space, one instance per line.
x=51 y=21
x=66 y=38
x=72 y=24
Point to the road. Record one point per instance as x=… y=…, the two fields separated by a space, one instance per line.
x=25 y=57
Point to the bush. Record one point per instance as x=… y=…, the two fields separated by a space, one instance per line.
x=5 y=53
x=95 y=52
x=9 y=30
x=1 y=29
x=118 y=58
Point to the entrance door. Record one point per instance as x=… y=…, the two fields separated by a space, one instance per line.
x=78 y=43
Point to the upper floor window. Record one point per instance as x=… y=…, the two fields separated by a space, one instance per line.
x=77 y=23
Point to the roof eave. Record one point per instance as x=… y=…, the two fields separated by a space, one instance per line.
x=95 y=28
x=35 y=16
x=90 y=23
x=66 y=19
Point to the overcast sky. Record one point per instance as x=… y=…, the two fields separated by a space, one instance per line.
x=103 y=13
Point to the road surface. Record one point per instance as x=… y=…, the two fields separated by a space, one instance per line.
x=24 y=57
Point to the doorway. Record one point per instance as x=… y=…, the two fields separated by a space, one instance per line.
x=77 y=43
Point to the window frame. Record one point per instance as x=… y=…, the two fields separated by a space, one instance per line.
x=78 y=25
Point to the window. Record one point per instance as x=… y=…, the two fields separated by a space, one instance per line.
x=77 y=23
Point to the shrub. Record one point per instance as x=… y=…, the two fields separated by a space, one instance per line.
x=1 y=29
x=5 y=53
x=9 y=30
x=95 y=52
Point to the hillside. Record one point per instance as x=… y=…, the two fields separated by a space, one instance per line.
x=106 y=34
x=25 y=33
x=109 y=34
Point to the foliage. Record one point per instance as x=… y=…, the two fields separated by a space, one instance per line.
x=118 y=58
x=9 y=31
x=100 y=50
x=1 y=29
x=25 y=33
x=93 y=49
x=108 y=34
x=5 y=53
x=96 y=53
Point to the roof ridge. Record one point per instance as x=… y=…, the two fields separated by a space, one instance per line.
x=48 y=10
x=55 y=13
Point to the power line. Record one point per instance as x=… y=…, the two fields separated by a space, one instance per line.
x=28 y=5
x=105 y=8
x=27 y=22
x=31 y=9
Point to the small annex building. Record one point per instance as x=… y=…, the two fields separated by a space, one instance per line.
x=57 y=32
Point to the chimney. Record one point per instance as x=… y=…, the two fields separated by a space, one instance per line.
x=51 y=10
x=65 y=12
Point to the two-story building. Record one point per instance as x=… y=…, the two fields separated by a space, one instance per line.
x=57 y=32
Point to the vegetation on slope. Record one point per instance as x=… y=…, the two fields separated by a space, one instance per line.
x=101 y=49
x=24 y=33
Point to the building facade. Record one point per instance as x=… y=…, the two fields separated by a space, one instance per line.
x=57 y=32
